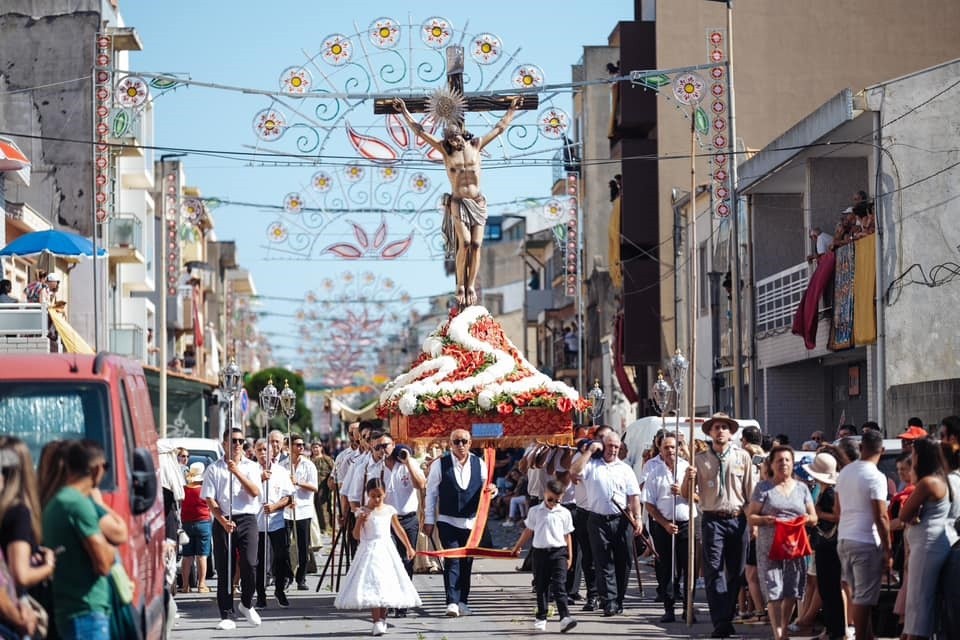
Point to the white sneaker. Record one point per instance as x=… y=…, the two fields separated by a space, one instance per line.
x=250 y=614
x=851 y=632
x=508 y=524
x=379 y=628
x=465 y=610
x=227 y=625
x=566 y=624
x=539 y=625
x=453 y=610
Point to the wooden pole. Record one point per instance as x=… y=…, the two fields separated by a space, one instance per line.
x=692 y=354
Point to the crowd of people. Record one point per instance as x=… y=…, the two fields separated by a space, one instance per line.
x=60 y=574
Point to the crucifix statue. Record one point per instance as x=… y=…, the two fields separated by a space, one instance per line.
x=465 y=207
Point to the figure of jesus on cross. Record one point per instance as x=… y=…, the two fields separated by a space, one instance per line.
x=465 y=214
x=465 y=206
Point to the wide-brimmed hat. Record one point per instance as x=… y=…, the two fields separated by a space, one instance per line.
x=823 y=468
x=913 y=433
x=195 y=473
x=720 y=417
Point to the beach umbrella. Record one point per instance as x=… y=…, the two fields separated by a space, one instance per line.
x=62 y=244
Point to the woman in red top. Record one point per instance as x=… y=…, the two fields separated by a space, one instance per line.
x=196 y=523
x=901 y=553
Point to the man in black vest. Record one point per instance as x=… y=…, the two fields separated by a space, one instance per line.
x=453 y=494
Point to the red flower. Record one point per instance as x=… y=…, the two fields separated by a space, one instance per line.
x=446 y=401
x=564 y=404
x=430 y=405
x=504 y=408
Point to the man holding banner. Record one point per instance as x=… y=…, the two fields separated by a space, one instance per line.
x=454 y=487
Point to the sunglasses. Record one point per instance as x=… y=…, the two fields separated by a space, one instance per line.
x=551 y=500
x=298 y=444
x=237 y=441
x=460 y=441
x=382 y=446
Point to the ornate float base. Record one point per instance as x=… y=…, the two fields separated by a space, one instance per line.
x=491 y=429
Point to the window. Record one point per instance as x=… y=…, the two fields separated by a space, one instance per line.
x=40 y=412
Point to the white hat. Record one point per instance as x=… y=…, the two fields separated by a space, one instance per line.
x=823 y=469
x=195 y=474
x=53 y=277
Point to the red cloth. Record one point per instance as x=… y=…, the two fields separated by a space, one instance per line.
x=790 y=539
x=896 y=502
x=194 y=508
x=805 y=320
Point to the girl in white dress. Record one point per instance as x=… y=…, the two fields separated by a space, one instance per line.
x=377 y=578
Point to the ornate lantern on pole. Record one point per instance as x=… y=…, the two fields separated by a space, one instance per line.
x=597 y=399
x=269 y=401
x=230 y=381
x=660 y=393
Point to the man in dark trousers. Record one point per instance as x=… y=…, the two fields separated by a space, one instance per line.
x=231 y=487
x=724 y=482
x=453 y=495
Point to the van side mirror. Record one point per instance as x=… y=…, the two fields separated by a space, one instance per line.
x=144 y=481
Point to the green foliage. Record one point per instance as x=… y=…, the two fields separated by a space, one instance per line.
x=302 y=421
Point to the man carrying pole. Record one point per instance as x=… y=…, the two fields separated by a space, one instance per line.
x=303 y=476
x=278 y=495
x=231 y=487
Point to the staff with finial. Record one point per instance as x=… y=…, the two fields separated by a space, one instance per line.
x=269 y=401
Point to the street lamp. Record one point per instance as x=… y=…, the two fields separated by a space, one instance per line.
x=230 y=379
x=596 y=398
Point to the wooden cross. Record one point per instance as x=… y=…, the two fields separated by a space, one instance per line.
x=418 y=104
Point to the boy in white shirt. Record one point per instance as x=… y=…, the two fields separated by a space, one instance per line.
x=550 y=526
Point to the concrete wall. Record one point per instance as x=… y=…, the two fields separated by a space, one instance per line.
x=54 y=48
x=780 y=240
x=921 y=231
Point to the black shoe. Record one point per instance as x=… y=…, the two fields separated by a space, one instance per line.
x=589 y=605
x=282 y=599
x=619 y=608
x=261 y=602
x=723 y=630
x=302 y=586
x=574 y=597
x=668 y=617
x=609 y=610
x=401 y=613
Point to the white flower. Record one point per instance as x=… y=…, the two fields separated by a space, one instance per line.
x=433 y=345
x=485 y=399
x=408 y=404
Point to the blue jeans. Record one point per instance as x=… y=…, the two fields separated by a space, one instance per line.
x=725 y=542
x=86 y=626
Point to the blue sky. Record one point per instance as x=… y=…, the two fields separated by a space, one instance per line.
x=249 y=44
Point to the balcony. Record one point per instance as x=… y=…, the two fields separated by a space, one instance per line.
x=127 y=340
x=778 y=297
x=125 y=240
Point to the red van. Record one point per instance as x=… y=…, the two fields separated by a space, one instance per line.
x=45 y=397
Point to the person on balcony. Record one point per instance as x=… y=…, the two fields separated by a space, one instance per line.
x=822 y=243
x=5 y=288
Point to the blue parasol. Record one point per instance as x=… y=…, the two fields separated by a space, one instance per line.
x=62 y=244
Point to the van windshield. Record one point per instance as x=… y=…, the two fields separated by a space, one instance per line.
x=41 y=412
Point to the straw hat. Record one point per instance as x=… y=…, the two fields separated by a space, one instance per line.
x=195 y=474
x=722 y=418
x=823 y=468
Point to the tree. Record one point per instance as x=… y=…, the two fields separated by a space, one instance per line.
x=302 y=420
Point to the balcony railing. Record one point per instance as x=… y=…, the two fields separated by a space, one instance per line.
x=778 y=297
x=126 y=232
x=127 y=340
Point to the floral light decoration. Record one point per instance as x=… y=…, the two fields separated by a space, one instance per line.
x=419 y=182
x=384 y=33
x=553 y=210
x=132 y=92
x=293 y=203
x=321 y=181
x=370 y=247
x=527 y=76
x=295 y=80
x=388 y=174
x=436 y=32
x=486 y=48
x=337 y=49
x=354 y=172
x=553 y=123
x=269 y=124
x=688 y=88
x=277 y=232
x=468 y=363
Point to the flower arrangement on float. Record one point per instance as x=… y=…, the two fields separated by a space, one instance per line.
x=469 y=364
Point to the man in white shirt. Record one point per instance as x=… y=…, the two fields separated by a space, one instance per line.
x=453 y=495
x=303 y=476
x=669 y=521
x=610 y=482
x=342 y=466
x=277 y=494
x=822 y=240
x=231 y=487
x=864 y=530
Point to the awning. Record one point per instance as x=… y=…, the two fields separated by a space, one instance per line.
x=72 y=341
x=11 y=158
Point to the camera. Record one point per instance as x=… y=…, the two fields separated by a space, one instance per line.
x=401 y=452
x=598 y=454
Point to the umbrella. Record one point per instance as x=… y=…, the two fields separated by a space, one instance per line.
x=62 y=244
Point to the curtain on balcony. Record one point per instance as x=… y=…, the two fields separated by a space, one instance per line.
x=865 y=290
x=72 y=341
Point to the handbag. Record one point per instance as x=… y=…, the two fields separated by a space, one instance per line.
x=790 y=539
x=43 y=618
x=820 y=538
x=123 y=622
